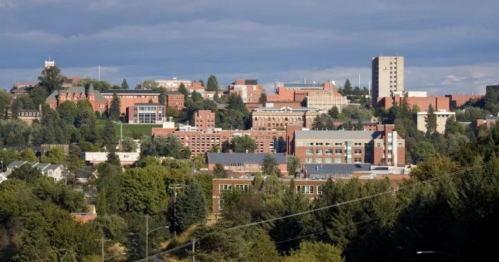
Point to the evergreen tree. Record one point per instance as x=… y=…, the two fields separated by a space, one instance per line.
x=269 y=165
x=323 y=122
x=108 y=134
x=431 y=121
x=293 y=164
x=212 y=83
x=183 y=90
x=359 y=126
x=114 y=111
x=334 y=112
x=243 y=144
x=263 y=99
x=112 y=158
x=347 y=88
x=124 y=84
x=100 y=204
x=190 y=207
x=219 y=171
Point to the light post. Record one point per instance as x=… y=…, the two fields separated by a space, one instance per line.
x=147 y=235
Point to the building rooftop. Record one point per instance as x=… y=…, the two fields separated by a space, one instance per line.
x=287 y=109
x=304 y=86
x=341 y=170
x=129 y=91
x=343 y=135
x=149 y=104
x=241 y=158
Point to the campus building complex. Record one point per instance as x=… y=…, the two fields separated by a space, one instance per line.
x=74 y=94
x=249 y=90
x=267 y=118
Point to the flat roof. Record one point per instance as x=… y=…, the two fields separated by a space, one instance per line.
x=336 y=134
x=241 y=158
x=129 y=91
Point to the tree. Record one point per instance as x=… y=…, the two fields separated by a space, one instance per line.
x=323 y=122
x=55 y=155
x=212 y=83
x=293 y=164
x=51 y=79
x=219 y=171
x=74 y=161
x=243 y=144
x=270 y=165
x=315 y=252
x=128 y=144
x=190 y=207
x=263 y=99
x=334 y=112
x=347 y=88
x=359 y=126
x=100 y=204
x=112 y=158
x=183 y=90
x=5 y=99
x=108 y=134
x=29 y=155
x=124 y=84
x=168 y=145
x=355 y=112
x=114 y=110
x=431 y=121
x=26 y=173
x=68 y=112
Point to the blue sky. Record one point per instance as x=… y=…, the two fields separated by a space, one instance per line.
x=450 y=46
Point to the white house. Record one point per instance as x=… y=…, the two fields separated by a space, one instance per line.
x=53 y=171
x=126 y=158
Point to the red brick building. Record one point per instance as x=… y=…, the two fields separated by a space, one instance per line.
x=146 y=113
x=129 y=97
x=249 y=90
x=244 y=163
x=459 y=100
x=204 y=120
x=175 y=99
x=423 y=103
x=381 y=147
x=75 y=94
x=298 y=92
x=265 y=118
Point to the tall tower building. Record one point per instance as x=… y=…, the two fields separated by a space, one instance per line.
x=387 y=76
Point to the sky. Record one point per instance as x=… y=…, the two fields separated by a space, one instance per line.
x=450 y=46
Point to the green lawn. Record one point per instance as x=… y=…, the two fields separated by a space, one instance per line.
x=131 y=130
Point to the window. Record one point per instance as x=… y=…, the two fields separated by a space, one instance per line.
x=337 y=160
x=329 y=152
x=358 y=160
x=378 y=145
x=223 y=188
x=244 y=188
x=358 y=151
x=309 y=144
x=305 y=189
x=309 y=152
x=318 y=160
x=329 y=144
x=319 y=190
x=329 y=160
x=401 y=145
x=357 y=144
x=338 y=151
x=309 y=160
x=318 y=151
x=338 y=144
x=220 y=204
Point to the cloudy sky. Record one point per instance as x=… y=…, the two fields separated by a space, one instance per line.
x=450 y=46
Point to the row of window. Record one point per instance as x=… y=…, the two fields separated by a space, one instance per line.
x=327 y=144
x=305 y=189
x=334 y=160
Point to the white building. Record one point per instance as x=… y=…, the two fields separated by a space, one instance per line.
x=387 y=76
x=327 y=100
x=172 y=84
x=56 y=172
x=442 y=118
x=126 y=158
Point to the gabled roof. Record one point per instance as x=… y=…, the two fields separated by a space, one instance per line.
x=242 y=158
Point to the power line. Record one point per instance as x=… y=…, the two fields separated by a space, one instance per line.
x=388 y=192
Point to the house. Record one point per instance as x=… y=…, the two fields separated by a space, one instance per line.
x=85 y=217
x=244 y=163
x=56 y=172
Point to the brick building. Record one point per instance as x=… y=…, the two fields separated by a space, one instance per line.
x=459 y=100
x=77 y=93
x=381 y=147
x=264 y=118
x=22 y=88
x=130 y=97
x=244 y=163
x=175 y=100
x=249 y=90
x=204 y=120
x=298 y=92
x=201 y=142
x=438 y=102
x=28 y=116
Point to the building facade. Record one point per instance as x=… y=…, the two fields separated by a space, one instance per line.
x=172 y=84
x=28 y=116
x=78 y=93
x=459 y=100
x=268 y=118
x=249 y=90
x=298 y=92
x=175 y=100
x=381 y=147
x=244 y=163
x=204 y=120
x=443 y=117
x=130 y=97
x=146 y=114
x=423 y=103
x=326 y=100
x=387 y=76
x=55 y=172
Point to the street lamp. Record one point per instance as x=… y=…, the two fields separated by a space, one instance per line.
x=147 y=235
x=435 y=252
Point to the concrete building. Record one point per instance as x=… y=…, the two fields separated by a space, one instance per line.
x=172 y=84
x=204 y=120
x=74 y=94
x=381 y=147
x=196 y=86
x=326 y=100
x=55 y=172
x=265 y=118
x=387 y=76
x=146 y=114
x=130 y=97
x=442 y=117
x=249 y=90
x=244 y=163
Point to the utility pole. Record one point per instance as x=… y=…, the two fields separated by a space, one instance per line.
x=193 y=250
x=175 y=187
x=147 y=238
x=102 y=241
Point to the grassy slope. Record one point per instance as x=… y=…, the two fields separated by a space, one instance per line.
x=128 y=129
